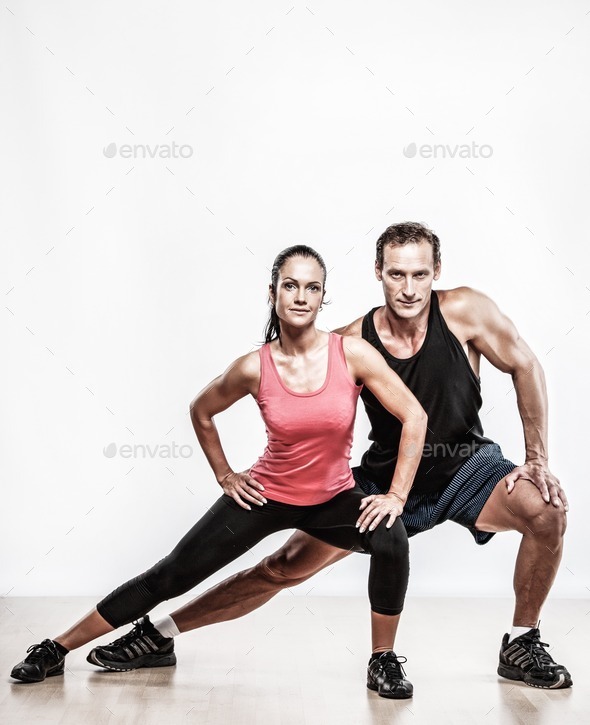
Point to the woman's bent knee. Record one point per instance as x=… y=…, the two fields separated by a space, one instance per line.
x=390 y=542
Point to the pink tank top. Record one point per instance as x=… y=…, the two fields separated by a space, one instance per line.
x=306 y=460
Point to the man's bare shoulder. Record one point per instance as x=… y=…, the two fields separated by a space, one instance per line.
x=354 y=329
x=463 y=302
x=468 y=311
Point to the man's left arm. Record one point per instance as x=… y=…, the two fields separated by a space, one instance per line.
x=497 y=339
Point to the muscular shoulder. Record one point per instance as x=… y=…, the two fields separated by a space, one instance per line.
x=353 y=329
x=249 y=365
x=467 y=309
x=244 y=372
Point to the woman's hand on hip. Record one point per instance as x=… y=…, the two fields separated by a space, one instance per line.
x=242 y=488
x=376 y=508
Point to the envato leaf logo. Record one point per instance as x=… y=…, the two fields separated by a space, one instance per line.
x=110 y=451
x=145 y=151
x=410 y=150
x=110 y=151
x=446 y=151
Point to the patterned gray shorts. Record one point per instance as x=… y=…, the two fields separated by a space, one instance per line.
x=461 y=501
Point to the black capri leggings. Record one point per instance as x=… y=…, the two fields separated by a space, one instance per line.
x=227 y=531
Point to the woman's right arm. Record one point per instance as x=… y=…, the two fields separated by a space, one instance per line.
x=240 y=379
x=368 y=365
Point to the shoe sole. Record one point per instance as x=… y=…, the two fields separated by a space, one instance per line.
x=137 y=664
x=23 y=677
x=390 y=696
x=516 y=674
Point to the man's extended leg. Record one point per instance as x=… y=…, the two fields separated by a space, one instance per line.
x=298 y=559
x=542 y=526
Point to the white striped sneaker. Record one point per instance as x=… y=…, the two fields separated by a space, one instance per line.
x=526 y=659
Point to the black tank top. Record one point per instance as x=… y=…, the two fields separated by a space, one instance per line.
x=442 y=379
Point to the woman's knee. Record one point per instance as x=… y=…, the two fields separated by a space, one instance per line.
x=389 y=542
x=167 y=579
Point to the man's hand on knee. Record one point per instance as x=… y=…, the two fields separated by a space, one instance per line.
x=539 y=475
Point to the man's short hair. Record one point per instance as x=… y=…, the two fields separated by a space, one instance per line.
x=404 y=233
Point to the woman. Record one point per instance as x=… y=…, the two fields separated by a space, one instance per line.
x=306 y=383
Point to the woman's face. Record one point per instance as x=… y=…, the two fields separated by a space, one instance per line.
x=300 y=291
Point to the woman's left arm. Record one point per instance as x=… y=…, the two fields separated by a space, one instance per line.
x=368 y=366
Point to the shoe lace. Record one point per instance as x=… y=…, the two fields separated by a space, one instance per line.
x=536 y=650
x=136 y=632
x=38 y=651
x=392 y=665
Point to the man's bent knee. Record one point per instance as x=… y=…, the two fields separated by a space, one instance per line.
x=546 y=521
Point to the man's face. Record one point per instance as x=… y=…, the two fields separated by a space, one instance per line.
x=407 y=276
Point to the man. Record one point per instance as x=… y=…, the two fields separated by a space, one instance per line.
x=434 y=340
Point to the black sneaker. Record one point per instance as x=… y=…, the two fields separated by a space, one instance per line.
x=525 y=659
x=386 y=676
x=44 y=660
x=144 y=646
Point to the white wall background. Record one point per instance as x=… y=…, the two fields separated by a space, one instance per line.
x=130 y=283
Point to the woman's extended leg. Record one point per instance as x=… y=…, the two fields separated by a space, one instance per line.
x=94 y=625
x=91 y=626
x=223 y=534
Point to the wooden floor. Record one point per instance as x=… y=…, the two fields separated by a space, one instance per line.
x=301 y=661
